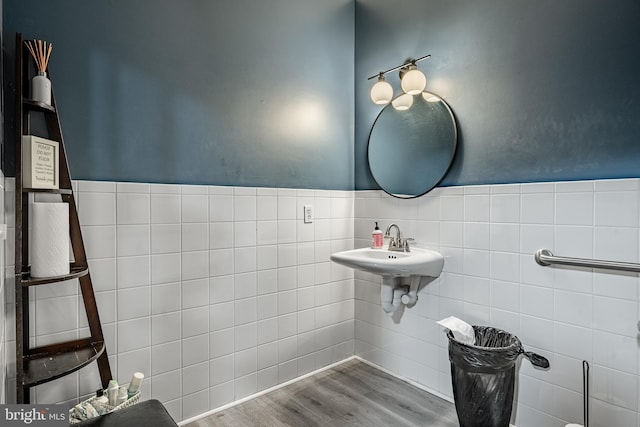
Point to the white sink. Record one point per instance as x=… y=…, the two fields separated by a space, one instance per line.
x=418 y=262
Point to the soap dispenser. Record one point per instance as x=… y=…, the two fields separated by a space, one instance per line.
x=377 y=238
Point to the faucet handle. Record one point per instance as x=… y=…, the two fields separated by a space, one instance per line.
x=406 y=243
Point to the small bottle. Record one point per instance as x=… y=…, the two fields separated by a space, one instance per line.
x=134 y=385
x=41 y=88
x=112 y=392
x=122 y=395
x=102 y=399
x=376 y=238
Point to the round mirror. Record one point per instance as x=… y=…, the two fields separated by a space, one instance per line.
x=411 y=150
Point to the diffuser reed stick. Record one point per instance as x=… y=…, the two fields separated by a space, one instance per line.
x=41 y=52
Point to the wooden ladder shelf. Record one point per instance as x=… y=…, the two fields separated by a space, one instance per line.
x=37 y=365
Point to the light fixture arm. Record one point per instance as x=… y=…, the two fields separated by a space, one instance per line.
x=406 y=64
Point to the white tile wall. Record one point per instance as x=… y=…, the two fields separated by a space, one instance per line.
x=214 y=293
x=488 y=235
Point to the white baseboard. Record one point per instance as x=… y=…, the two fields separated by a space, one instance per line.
x=407 y=380
x=260 y=393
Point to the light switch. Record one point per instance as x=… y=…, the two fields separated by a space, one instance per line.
x=308 y=214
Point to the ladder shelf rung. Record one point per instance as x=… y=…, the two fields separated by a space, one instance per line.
x=33 y=105
x=49 y=363
x=63 y=191
x=76 y=271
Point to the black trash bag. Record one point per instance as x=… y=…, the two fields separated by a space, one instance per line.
x=483 y=376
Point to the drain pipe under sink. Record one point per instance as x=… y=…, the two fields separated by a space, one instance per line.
x=391 y=295
x=411 y=298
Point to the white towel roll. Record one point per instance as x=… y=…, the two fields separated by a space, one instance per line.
x=50 y=239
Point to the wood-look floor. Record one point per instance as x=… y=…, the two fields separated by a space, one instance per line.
x=351 y=394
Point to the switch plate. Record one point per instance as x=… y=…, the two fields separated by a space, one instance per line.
x=308 y=214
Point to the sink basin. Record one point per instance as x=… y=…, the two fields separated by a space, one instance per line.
x=421 y=262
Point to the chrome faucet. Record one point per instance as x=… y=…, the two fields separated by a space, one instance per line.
x=395 y=244
x=398 y=243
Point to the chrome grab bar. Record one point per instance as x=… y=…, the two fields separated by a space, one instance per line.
x=545 y=258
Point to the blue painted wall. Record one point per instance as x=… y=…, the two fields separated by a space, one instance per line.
x=242 y=92
x=542 y=90
x=261 y=92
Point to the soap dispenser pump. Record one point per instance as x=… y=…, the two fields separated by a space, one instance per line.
x=377 y=238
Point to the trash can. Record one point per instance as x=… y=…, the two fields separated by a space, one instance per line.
x=483 y=376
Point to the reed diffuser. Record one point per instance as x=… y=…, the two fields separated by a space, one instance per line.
x=40 y=84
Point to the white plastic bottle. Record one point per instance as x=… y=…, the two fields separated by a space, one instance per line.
x=122 y=395
x=134 y=385
x=112 y=392
x=377 y=239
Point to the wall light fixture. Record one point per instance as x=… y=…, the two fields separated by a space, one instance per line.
x=412 y=82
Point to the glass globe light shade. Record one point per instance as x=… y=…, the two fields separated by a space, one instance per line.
x=429 y=97
x=403 y=102
x=381 y=92
x=413 y=82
